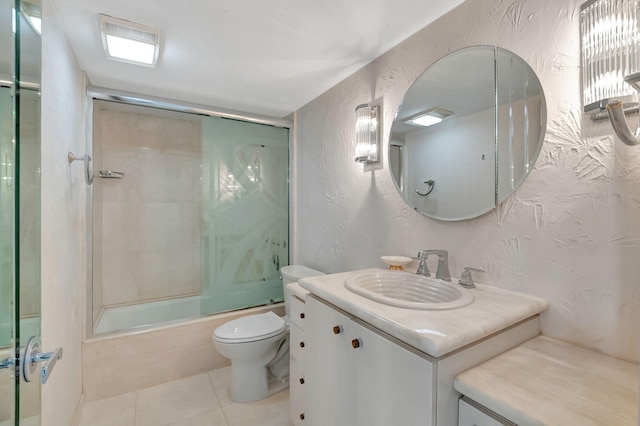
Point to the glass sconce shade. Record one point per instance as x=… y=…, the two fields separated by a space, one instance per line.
x=367 y=134
x=609 y=43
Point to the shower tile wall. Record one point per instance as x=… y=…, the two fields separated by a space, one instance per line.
x=29 y=210
x=147 y=225
x=30 y=205
x=6 y=216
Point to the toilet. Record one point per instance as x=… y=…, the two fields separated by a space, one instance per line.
x=258 y=346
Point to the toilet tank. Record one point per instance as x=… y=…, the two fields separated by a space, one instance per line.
x=294 y=273
x=290 y=276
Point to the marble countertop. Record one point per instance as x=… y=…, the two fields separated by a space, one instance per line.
x=435 y=333
x=548 y=382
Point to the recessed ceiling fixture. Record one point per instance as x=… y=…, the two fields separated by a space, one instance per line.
x=130 y=42
x=429 y=117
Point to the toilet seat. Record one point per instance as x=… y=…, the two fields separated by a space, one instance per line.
x=250 y=328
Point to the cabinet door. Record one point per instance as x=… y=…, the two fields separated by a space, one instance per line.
x=298 y=343
x=297 y=393
x=298 y=312
x=395 y=385
x=330 y=387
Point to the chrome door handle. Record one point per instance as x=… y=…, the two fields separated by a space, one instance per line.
x=32 y=356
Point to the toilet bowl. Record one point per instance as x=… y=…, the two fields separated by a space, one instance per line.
x=258 y=348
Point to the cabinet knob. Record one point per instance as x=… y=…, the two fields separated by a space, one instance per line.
x=302 y=315
x=302 y=380
x=355 y=343
x=337 y=329
x=302 y=344
x=301 y=416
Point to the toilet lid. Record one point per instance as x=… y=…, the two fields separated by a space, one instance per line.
x=250 y=328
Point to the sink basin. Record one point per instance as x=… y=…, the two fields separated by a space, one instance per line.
x=409 y=291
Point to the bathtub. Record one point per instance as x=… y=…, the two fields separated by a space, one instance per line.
x=128 y=360
x=144 y=314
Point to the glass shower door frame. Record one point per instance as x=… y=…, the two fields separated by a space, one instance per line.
x=131 y=99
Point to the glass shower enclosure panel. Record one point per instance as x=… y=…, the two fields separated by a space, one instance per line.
x=7 y=314
x=245 y=204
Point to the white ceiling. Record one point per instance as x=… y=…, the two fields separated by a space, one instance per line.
x=267 y=57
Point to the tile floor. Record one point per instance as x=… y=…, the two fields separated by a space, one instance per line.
x=201 y=400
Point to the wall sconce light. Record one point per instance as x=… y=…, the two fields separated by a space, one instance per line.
x=610 y=61
x=429 y=117
x=367 y=134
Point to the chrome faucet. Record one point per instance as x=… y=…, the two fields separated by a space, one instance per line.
x=443 y=264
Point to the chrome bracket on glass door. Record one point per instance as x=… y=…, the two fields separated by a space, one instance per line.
x=33 y=356
x=8 y=363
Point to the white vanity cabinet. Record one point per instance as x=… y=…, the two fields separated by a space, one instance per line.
x=360 y=376
x=297 y=362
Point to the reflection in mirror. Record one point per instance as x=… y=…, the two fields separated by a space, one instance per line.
x=521 y=121
x=395 y=159
x=461 y=154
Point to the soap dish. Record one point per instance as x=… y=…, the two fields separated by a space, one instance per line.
x=396 y=262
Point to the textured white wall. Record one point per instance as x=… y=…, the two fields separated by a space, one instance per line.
x=571 y=233
x=63 y=220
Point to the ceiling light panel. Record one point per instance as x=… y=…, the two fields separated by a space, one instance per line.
x=130 y=42
x=429 y=117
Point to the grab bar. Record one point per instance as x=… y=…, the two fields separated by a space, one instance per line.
x=104 y=174
x=110 y=174
x=88 y=175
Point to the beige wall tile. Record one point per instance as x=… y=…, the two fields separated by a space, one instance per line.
x=120 y=277
x=119 y=227
x=168 y=226
x=166 y=273
x=168 y=175
x=153 y=210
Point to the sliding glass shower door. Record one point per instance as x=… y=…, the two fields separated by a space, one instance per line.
x=245 y=204
x=190 y=214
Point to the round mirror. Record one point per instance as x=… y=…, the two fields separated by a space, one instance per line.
x=467 y=133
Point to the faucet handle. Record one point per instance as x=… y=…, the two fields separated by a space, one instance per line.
x=466 y=280
x=423 y=269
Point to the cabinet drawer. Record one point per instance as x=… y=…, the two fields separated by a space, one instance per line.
x=298 y=346
x=297 y=393
x=471 y=413
x=297 y=311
